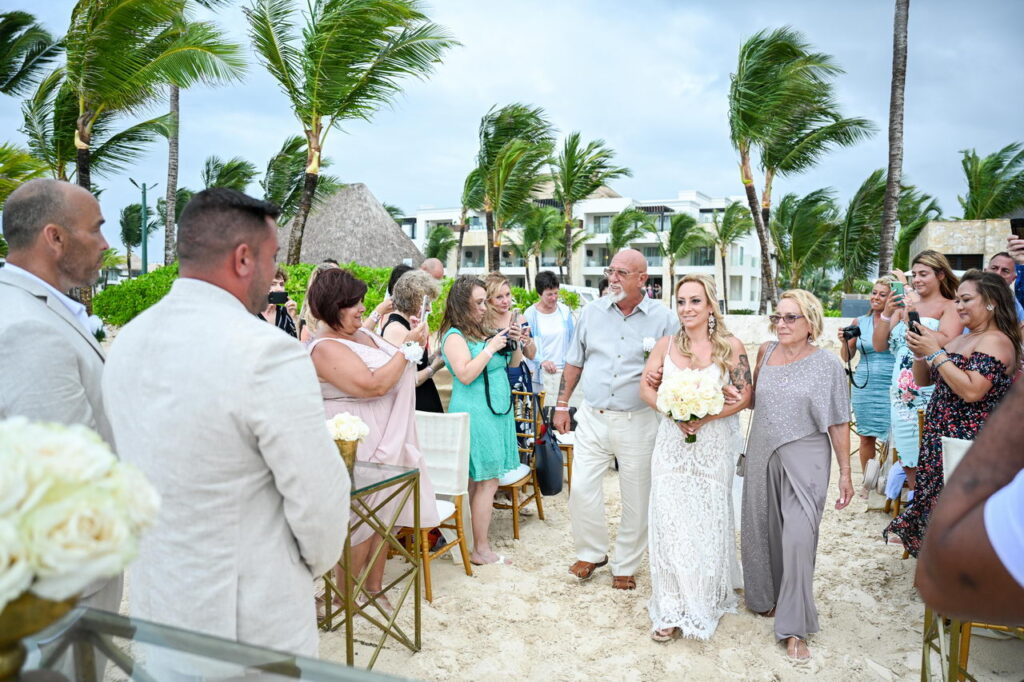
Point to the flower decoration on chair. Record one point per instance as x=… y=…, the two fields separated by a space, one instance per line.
x=70 y=511
x=688 y=395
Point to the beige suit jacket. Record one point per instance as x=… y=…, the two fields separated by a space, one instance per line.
x=223 y=414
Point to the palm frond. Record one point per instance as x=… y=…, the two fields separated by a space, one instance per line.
x=731 y=225
x=514 y=177
x=120 y=150
x=235 y=173
x=916 y=209
x=130 y=224
x=440 y=241
x=26 y=49
x=995 y=183
x=860 y=231
x=284 y=177
x=16 y=167
x=626 y=227
x=578 y=170
x=804 y=232
x=272 y=31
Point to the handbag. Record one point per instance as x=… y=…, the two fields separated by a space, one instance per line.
x=741 y=461
x=871 y=473
x=548 y=460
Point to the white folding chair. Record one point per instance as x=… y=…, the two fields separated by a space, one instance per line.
x=444 y=442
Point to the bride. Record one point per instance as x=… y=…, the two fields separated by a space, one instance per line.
x=694 y=570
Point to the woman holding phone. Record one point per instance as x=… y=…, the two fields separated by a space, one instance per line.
x=412 y=295
x=930 y=296
x=501 y=315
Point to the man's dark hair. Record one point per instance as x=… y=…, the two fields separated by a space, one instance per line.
x=332 y=291
x=545 y=280
x=1002 y=254
x=329 y=260
x=30 y=208
x=601 y=286
x=396 y=273
x=217 y=220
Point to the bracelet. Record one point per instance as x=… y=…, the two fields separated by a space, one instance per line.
x=559 y=408
x=884 y=318
x=375 y=316
x=430 y=372
x=932 y=356
x=559 y=402
x=936 y=367
x=920 y=358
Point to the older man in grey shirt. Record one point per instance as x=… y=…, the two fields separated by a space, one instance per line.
x=607 y=352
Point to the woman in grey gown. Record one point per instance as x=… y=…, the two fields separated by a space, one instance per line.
x=801 y=403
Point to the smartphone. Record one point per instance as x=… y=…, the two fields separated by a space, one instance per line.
x=423 y=307
x=897 y=288
x=1017 y=227
x=913 y=320
x=277 y=297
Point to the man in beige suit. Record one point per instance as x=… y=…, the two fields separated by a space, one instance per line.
x=223 y=414
x=51 y=363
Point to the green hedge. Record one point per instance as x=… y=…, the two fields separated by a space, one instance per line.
x=119 y=303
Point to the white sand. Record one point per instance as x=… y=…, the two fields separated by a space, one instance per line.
x=532 y=620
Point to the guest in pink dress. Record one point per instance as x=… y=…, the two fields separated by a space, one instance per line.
x=364 y=375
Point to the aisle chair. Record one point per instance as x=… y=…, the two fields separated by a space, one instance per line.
x=524 y=409
x=954 y=636
x=444 y=442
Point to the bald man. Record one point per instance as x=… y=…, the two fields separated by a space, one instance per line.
x=433 y=267
x=607 y=357
x=51 y=362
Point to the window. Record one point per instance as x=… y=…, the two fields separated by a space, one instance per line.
x=736 y=255
x=962 y=262
x=735 y=288
x=653 y=255
x=703 y=255
x=475 y=223
x=601 y=223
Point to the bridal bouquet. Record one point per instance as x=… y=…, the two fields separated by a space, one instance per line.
x=345 y=426
x=688 y=395
x=70 y=511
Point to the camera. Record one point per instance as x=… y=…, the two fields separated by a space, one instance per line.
x=851 y=332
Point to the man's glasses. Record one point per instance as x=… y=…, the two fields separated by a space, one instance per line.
x=608 y=272
x=788 y=319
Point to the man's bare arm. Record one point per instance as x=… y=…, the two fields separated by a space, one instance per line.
x=570 y=377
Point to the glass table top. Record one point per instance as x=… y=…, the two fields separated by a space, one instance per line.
x=368 y=476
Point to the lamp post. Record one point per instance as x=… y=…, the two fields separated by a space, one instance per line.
x=145 y=221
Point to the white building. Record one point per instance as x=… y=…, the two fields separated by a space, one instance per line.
x=743 y=265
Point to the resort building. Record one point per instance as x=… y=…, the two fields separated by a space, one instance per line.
x=589 y=260
x=966 y=243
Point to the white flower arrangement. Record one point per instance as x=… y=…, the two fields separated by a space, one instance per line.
x=70 y=511
x=689 y=394
x=649 y=342
x=412 y=351
x=345 y=426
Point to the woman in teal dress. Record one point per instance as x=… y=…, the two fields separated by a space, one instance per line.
x=871 y=379
x=480 y=387
x=931 y=296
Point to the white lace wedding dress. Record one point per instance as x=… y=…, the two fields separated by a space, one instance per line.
x=694 y=568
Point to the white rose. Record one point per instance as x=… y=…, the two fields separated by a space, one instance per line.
x=14 y=485
x=75 y=541
x=15 y=569
x=649 y=342
x=345 y=426
x=133 y=494
x=68 y=454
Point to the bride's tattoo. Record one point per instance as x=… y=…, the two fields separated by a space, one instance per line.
x=740 y=374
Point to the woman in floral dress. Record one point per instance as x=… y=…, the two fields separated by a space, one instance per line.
x=971 y=374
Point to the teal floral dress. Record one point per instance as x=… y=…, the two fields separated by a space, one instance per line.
x=493 y=450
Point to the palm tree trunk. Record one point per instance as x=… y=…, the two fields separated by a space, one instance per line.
x=171 y=198
x=128 y=250
x=536 y=264
x=299 y=222
x=767 y=278
x=493 y=250
x=82 y=174
x=894 y=177
x=766 y=196
x=458 y=255
x=725 y=281
x=567 y=279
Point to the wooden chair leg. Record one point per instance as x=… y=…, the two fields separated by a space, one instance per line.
x=513 y=494
x=965 y=649
x=568 y=459
x=460 y=530
x=425 y=563
x=537 y=496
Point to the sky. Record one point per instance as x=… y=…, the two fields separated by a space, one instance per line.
x=649 y=77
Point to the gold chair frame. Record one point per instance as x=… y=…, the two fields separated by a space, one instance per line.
x=530 y=479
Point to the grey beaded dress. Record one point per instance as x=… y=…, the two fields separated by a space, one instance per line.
x=785 y=485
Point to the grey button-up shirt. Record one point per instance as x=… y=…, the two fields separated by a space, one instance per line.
x=609 y=347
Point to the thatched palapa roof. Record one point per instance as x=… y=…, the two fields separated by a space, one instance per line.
x=351 y=225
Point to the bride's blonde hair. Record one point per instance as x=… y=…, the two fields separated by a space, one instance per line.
x=721 y=350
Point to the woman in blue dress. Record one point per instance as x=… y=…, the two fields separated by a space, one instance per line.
x=930 y=293
x=871 y=380
x=478 y=363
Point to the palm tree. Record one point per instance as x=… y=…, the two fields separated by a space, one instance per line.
x=285 y=177
x=540 y=230
x=578 y=171
x=734 y=224
x=995 y=183
x=50 y=119
x=440 y=241
x=121 y=56
x=174 y=99
x=626 y=227
x=859 y=237
x=131 y=230
x=917 y=209
x=515 y=144
x=235 y=173
x=684 y=235
x=351 y=58
x=394 y=211
x=564 y=252
x=894 y=178
x=804 y=232
x=112 y=260
x=469 y=190
x=16 y=167
x=26 y=48
x=777 y=79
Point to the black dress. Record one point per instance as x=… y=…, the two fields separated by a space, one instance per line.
x=427 y=398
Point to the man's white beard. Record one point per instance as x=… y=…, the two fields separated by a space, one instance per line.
x=615 y=296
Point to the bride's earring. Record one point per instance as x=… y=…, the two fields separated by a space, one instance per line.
x=711 y=324
x=990 y=308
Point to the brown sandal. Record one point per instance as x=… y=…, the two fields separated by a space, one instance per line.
x=584 y=570
x=623 y=582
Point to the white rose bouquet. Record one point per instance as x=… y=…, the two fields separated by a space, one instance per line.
x=345 y=426
x=70 y=512
x=688 y=395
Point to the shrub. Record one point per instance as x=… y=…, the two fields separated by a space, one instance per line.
x=740 y=311
x=829 y=312
x=119 y=303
